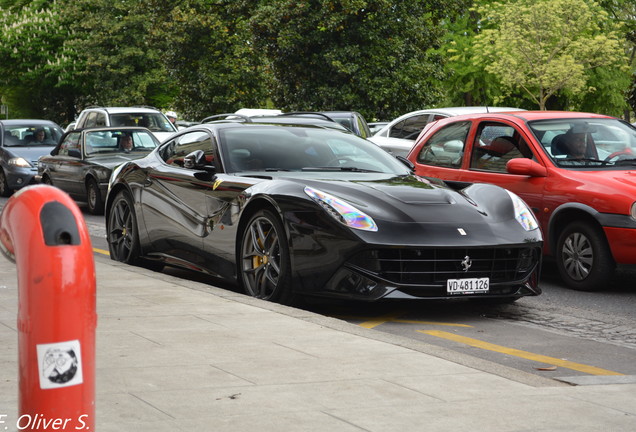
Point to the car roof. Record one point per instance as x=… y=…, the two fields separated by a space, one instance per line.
x=531 y=115
x=27 y=122
x=300 y=120
x=455 y=111
x=112 y=128
x=117 y=110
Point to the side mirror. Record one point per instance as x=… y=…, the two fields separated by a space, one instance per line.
x=197 y=161
x=74 y=153
x=525 y=166
x=406 y=162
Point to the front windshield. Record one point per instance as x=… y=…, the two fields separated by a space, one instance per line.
x=587 y=142
x=31 y=135
x=291 y=148
x=156 y=122
x=118 y=141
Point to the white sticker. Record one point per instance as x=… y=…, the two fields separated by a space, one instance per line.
x=60 y=364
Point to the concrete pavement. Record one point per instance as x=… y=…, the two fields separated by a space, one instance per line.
x=176 y=355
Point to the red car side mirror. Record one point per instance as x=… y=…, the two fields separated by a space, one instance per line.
x=525 y=166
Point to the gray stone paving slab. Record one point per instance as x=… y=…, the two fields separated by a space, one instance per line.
x=174 y=355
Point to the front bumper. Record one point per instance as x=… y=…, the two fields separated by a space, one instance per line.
x=513 y=272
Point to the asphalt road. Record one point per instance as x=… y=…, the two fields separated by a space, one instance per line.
x=578 y=337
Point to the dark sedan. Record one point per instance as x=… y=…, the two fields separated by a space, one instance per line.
x=290 y=211
x=82 y=162
x=22 y=142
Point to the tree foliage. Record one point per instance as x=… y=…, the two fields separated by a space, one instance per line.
x=371 y=56
x=547 y=46
x=382 y=58
x=210 y=59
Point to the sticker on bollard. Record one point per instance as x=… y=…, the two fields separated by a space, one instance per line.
x=60 y=364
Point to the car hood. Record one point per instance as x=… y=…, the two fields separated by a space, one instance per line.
x=113 y=160
x=613 y=182
x=29 y=153
x=416 y=199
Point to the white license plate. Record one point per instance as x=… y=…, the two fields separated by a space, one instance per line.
x=468 y=285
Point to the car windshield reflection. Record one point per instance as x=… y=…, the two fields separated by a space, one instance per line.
x=590 y=143
x=304 y=149
x=111 y=142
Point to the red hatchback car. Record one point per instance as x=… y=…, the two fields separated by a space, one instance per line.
x=577 y=171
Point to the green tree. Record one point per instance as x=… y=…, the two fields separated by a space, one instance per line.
x=467 y=83
x=120 y=63
x=371 y=56
x=208 y=56
x=36 y=75
x=548 y=46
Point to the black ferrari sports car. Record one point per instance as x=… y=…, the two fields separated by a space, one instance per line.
x=288 y=211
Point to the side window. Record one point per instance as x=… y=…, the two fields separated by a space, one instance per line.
x=91 y=120
x=175 y=150
x=446 y=147
x=71 y=142
x=496 y=144
x=100 y=119
x=409 y=128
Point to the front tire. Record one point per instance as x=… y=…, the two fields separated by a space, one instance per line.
x=94 y=197
x=122 y=230
x=264 y=266
x=583 y=257
x=5 y=190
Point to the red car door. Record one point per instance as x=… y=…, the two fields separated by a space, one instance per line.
x=477 y=152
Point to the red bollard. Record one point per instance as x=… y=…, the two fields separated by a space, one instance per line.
x=43 y=231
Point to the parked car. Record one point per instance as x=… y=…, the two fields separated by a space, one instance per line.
x=22 y=142
x=352 y=120
x=148 y=117
x=399 y=135
x=316 y=120
x=585 y=204
x=81 y=164
x=375 y=127
x=290 y=210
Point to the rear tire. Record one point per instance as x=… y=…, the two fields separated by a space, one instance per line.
x=122 y=231
x=94 y=197
x=584 y=258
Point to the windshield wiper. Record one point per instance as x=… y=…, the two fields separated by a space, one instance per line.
x=631 y=161
x=341 y=169
x=594 y=160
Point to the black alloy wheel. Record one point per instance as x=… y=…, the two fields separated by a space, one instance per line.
x=584 y=259
x=122 y=232
x=94 y=197
x=264 y=259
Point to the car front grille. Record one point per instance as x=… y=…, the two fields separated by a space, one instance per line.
x=434 y=266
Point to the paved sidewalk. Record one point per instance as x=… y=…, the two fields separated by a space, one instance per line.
x=175 y=355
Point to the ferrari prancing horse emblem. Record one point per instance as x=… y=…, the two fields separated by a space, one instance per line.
x=467 y=263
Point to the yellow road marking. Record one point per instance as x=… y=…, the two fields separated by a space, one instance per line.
x=432 y=323
x=101 y=251
x=380 y=320
x=374 y=322
x=592 y=370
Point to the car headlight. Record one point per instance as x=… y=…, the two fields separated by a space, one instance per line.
x=19 y=162
x=342 y=211
x=523 y=214
x=632 y=211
